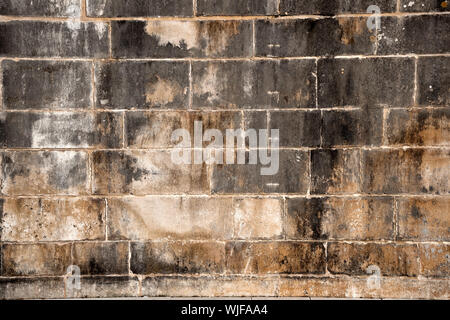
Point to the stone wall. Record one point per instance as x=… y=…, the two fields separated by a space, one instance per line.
x=91 y=91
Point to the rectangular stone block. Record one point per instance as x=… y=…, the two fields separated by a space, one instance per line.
x=258 y=218
x=44 y=172
x=35 y=259
x=414 y=34
x=435 y=260
x=236 y=7
x=433 y=75
x=330 y=8
x=354 y=288
x=46 y=84
x=275 y=258
x=155 y=129
x=99 y=287
x=101 y=258
x=254 y=84
x=424 y=219
x=420 y=127
x=406 y=171
x=177 y=257
x=60 y=130
x=366 y=82
x=37 y=39
x=369 y=258
x=146 y=8
x=59 y=219
x=31 y=288
x=424 y=6
x=369 y=218
x=359 y=127
x=203 y=286
x=146 y=172
x=292 y=176
x=142 y=85
x=297 y=128
x=180 y=39
x=63 y=8
x=314 y=37
x=153 y=218
x=335 y=171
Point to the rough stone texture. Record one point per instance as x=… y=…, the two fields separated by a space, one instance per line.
x=46 y=84
x=44 y=172
x=146 y=8
x=254 y=84
x=60 y=8
x=406 y=171
x=91 y=92
x=177 y=257
x=356 y=259
x=340 y=218
x=61 y=130
x=38 y=39
x=33 y=219
x=102 y=258
x=142 y=85
x=423 y=219
x=420 y=127
x=365 y=82
x=434 y=77
x=177 y=39
x=329 y=8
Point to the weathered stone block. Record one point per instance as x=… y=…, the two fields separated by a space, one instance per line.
x=330 y=8
x=424 y=6
x=297 y=128
x=433 y=81
x=179 y=39
x=37 y=39
x=434 y=260
x=424 y=219
x=292 y=176
x=258 y=218
x=35 y=259
x=101 y=258
x=357 y=259
x=275 y=257
x=44 y=172
x=352 y=128
x=240 y=7
x=340 y=218
x=406 y=171
x=60 y=130
x=223 y=286
x=32 y=219
x=154 y=129
x=177 y=257
x=146 y=8
x=313 y=37
x=63 y=8
x=254 y=84
x=146 y=172
x=46 y=84
x=335 y=171
x=365 y=82
x=142 y=85
x=105 y=287
x=31 y=288
x=153 y=218
x=420 y=127
x=419 y=34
